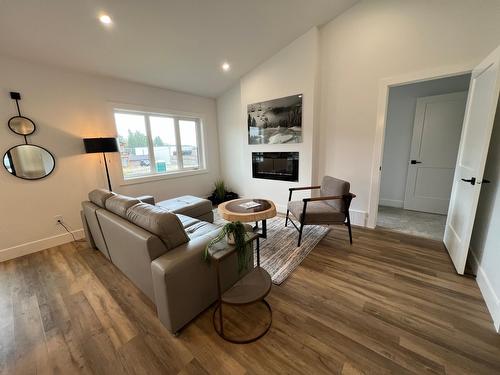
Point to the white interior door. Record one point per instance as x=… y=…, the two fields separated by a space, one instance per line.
x=476 y=134
x=434 y=149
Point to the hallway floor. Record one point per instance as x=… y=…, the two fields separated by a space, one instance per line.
x=415 y=223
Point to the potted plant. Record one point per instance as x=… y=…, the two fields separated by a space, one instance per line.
x=235 y=234
x=220 y=194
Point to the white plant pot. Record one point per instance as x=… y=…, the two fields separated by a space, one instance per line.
x=230 y=239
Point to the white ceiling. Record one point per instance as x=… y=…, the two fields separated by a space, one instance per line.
x=176 y=44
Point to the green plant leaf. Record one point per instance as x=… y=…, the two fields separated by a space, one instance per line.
x=237 y=229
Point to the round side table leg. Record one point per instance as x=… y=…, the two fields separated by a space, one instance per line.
x=220 y=332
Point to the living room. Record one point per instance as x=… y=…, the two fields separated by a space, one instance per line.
x=393 y=302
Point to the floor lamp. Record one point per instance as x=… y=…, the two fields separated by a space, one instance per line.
x=95 y=145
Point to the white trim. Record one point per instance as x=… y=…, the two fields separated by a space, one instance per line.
x=391 y=203
x=34 y=246
x=358 y=217
x=201 y=137
x=281 y=208
x=489 y=295
x=383 y=100
x=163 y=176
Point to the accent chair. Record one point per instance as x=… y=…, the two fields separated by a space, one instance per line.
x=330 y=208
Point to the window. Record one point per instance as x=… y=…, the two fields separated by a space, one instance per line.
x=156 y=144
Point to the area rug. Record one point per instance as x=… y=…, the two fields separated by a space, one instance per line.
x=279 y=254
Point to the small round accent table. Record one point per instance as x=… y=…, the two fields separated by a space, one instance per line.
x=251 y=288
x=232 y=211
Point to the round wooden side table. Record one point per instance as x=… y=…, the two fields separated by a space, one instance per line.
x=232 y=211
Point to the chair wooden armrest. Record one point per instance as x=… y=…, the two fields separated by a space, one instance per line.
x=325 y=198
x=304 y=188
x=329 y=197
x=291 y=190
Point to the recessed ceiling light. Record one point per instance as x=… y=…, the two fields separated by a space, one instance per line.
x=105 y=19
x=226 y=66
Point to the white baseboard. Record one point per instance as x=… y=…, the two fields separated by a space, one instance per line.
x=34 y=246
x=489 y=295
x=359 y=218
x=391 y=203
x=281 y=208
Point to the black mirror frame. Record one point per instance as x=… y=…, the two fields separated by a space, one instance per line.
x=26 y=118
x=24 y=178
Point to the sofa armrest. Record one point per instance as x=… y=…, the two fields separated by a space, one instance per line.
x=131 y=249
x=149 y=199
x=185 y=285
x=86 y=230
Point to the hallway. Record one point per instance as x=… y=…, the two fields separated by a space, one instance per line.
x=420 y=224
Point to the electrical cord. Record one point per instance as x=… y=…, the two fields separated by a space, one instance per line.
x=67 y=230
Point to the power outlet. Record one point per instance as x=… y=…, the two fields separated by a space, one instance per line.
x=58 y=219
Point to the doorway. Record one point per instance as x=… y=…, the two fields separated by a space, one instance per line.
x=422 y=136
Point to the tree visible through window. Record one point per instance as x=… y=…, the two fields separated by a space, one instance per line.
x=152 y=144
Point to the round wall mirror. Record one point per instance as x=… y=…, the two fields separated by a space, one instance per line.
x=22 y=125
x=29 y=162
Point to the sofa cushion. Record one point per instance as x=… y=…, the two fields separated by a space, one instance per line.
x=316 y=212
x=201 y=228
x=187 y=205
x=99 y=196
x=119 y=204
x=160 y=222
x=187 y=221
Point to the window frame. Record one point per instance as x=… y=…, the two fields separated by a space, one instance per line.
x=181 y=171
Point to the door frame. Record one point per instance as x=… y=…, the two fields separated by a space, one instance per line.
x=385 y=84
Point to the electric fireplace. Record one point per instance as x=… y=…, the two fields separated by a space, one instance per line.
x=283 y=166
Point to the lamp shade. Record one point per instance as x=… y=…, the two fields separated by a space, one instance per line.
x=93 y=145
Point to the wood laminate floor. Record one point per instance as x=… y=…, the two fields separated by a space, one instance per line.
x=388 y=304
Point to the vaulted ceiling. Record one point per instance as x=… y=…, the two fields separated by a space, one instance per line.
x=175 y=44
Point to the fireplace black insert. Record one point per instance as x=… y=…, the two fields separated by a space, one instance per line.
x=282 y=166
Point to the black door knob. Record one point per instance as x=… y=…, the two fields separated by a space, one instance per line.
x=415 y=162
x=472 y=180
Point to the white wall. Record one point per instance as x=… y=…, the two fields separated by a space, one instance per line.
x=377 y=39
x=485 y=242
x=399 y=132
x=291 y=71
x=67 y=107
x=232 y=139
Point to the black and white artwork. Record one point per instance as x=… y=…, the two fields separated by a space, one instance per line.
x=275 y=121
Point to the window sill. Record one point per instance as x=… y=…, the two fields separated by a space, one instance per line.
x=164 y=176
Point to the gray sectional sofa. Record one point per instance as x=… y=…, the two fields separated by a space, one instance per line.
x=159 y=248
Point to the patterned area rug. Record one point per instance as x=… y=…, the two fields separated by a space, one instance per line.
x=279 y=254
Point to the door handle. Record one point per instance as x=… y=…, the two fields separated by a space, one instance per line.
x=472 y=180
x=415 y=162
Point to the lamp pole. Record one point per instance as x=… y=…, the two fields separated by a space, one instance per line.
x=107 y=172
x=101 y=146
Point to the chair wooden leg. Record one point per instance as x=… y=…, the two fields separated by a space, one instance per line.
x=302 y=220
x=349 y=227
x=300 y=233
